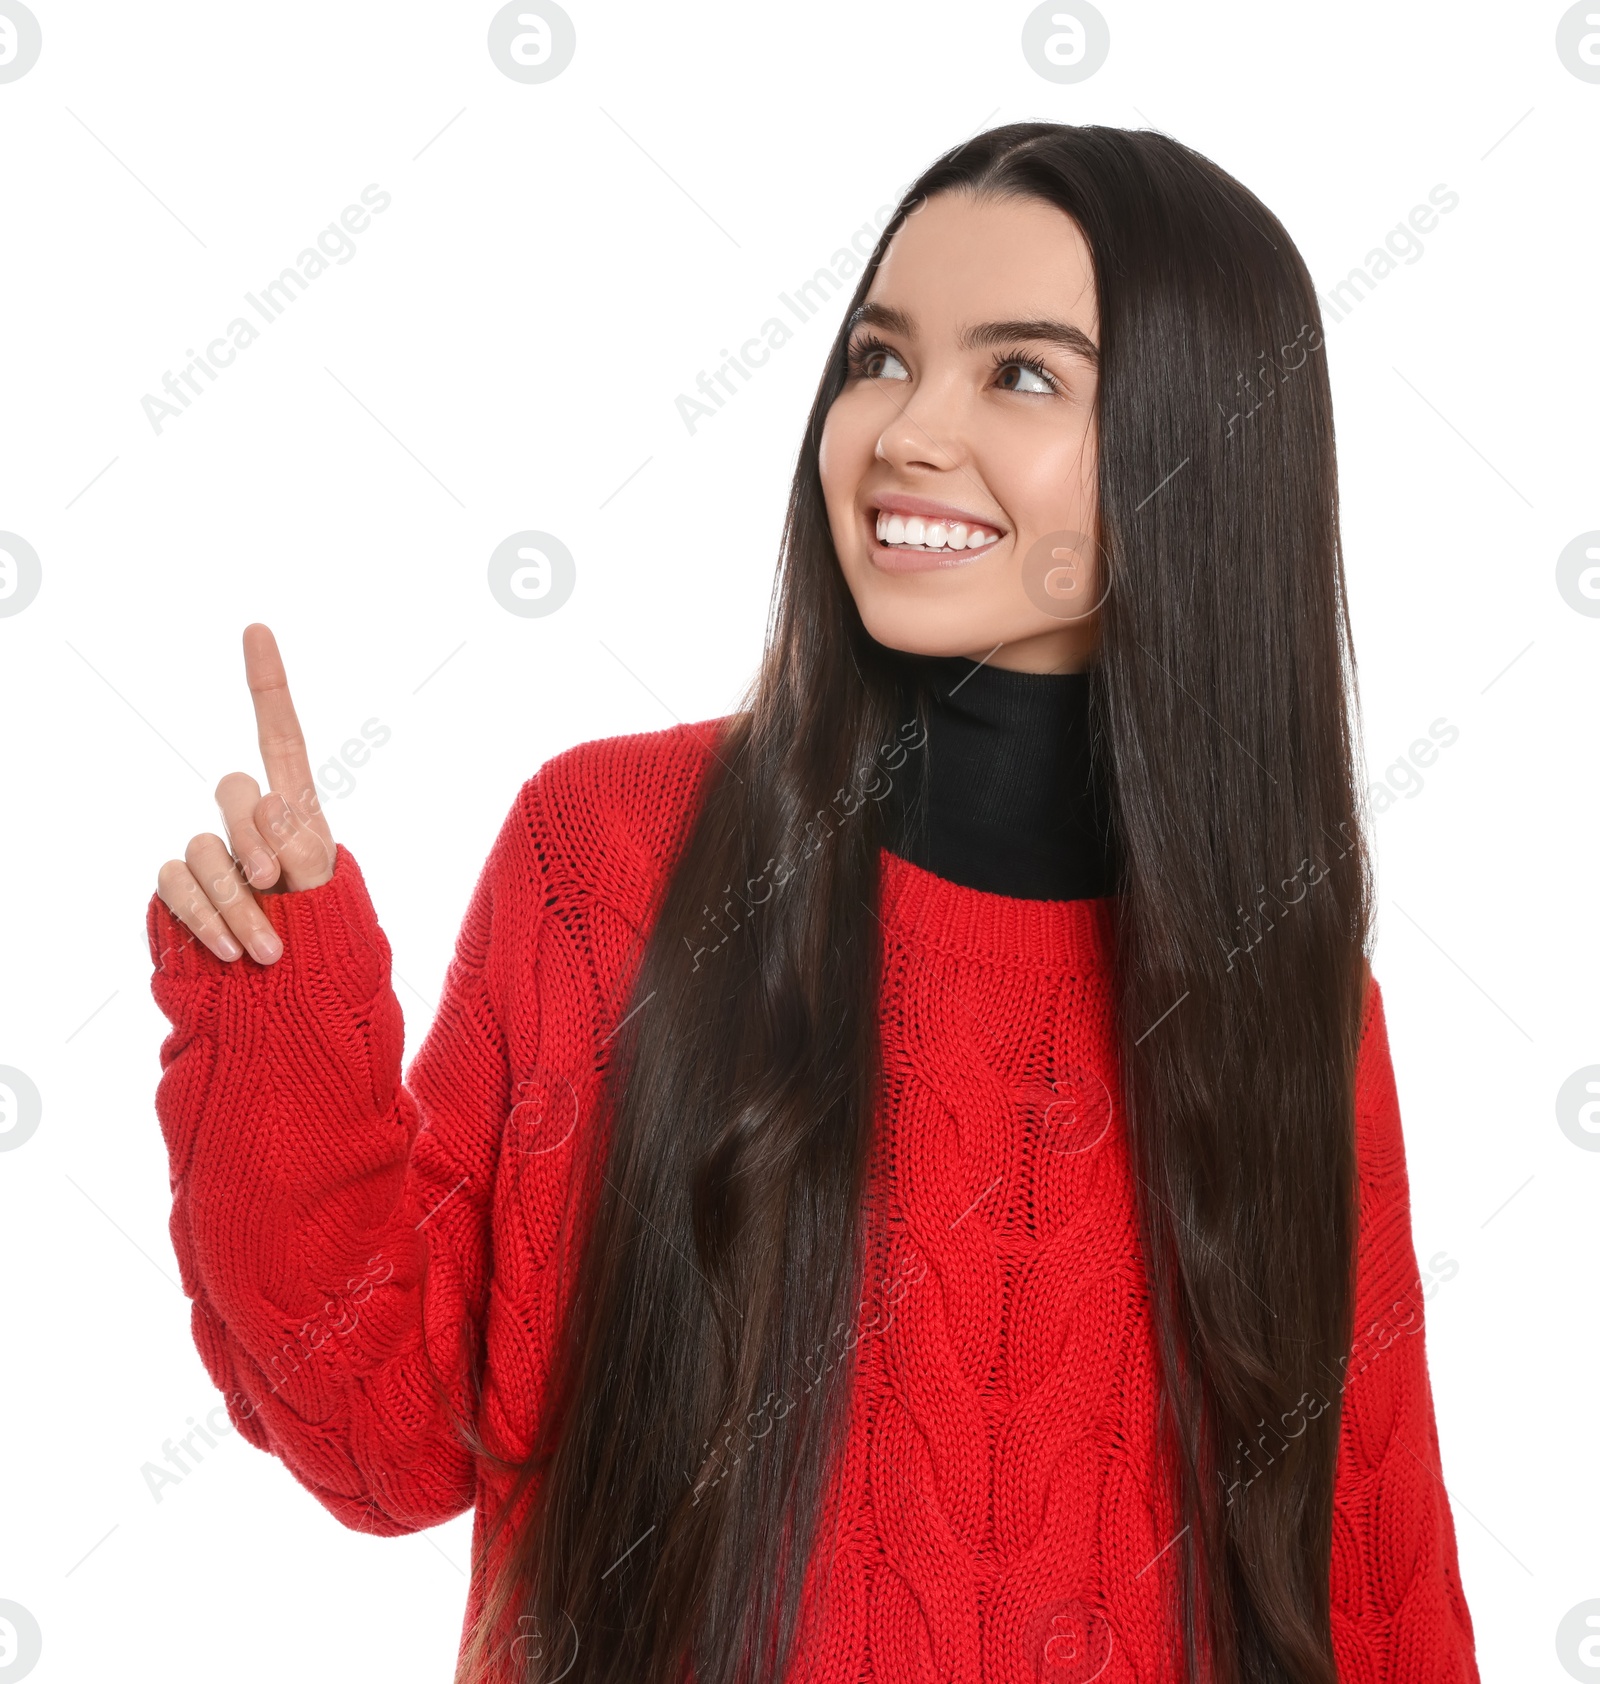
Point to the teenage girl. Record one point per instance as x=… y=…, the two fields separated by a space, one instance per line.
x=905 y=1182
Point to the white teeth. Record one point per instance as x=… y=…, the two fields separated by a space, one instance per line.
x=914 y=532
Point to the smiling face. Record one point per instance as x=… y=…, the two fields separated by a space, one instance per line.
x=958 y=461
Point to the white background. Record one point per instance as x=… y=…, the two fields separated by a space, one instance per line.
x=503 y=352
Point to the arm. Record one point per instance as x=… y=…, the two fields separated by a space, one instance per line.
x=1399 y=1614
x=332 y=1223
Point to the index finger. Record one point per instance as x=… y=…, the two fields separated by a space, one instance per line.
x=283 y=747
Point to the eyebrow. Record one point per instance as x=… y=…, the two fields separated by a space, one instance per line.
x=1064 y=334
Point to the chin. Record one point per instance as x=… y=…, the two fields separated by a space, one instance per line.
x=936 y=630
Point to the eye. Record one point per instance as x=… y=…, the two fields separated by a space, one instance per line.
x=871 y=359
x=1025 y=374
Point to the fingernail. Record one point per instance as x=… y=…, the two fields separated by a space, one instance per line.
x=258 y=864
x=228 y=947
x=266 y=947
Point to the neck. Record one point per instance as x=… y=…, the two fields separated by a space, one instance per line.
x=1008 y=794
x=1071 y=647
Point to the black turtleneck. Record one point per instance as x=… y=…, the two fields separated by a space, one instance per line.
x=1006 y=794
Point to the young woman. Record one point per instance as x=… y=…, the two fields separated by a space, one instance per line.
x=905 y=1182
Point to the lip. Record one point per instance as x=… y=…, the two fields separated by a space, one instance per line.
x=913 y=561
x=898 y=503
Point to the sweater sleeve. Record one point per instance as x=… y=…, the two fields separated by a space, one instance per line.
x=331 y=1222
x=1399 y=1613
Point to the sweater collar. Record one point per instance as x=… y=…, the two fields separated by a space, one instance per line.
x=1008 y=795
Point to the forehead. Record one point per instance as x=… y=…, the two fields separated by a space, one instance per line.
x=960 y=259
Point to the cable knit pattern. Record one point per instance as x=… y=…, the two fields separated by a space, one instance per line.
x=365 y=1254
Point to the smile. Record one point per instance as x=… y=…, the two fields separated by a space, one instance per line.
x=930 y=537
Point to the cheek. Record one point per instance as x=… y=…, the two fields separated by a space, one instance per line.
x=1043 y=479
x=849 y=437
x=844 y=456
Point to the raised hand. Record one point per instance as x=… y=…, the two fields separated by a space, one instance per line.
x=278 y=842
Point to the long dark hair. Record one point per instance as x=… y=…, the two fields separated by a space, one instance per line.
x=723 y=1195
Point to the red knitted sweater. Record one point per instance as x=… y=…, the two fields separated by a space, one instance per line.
x=1000 y=1513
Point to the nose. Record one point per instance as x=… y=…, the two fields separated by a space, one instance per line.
x=925 y=431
